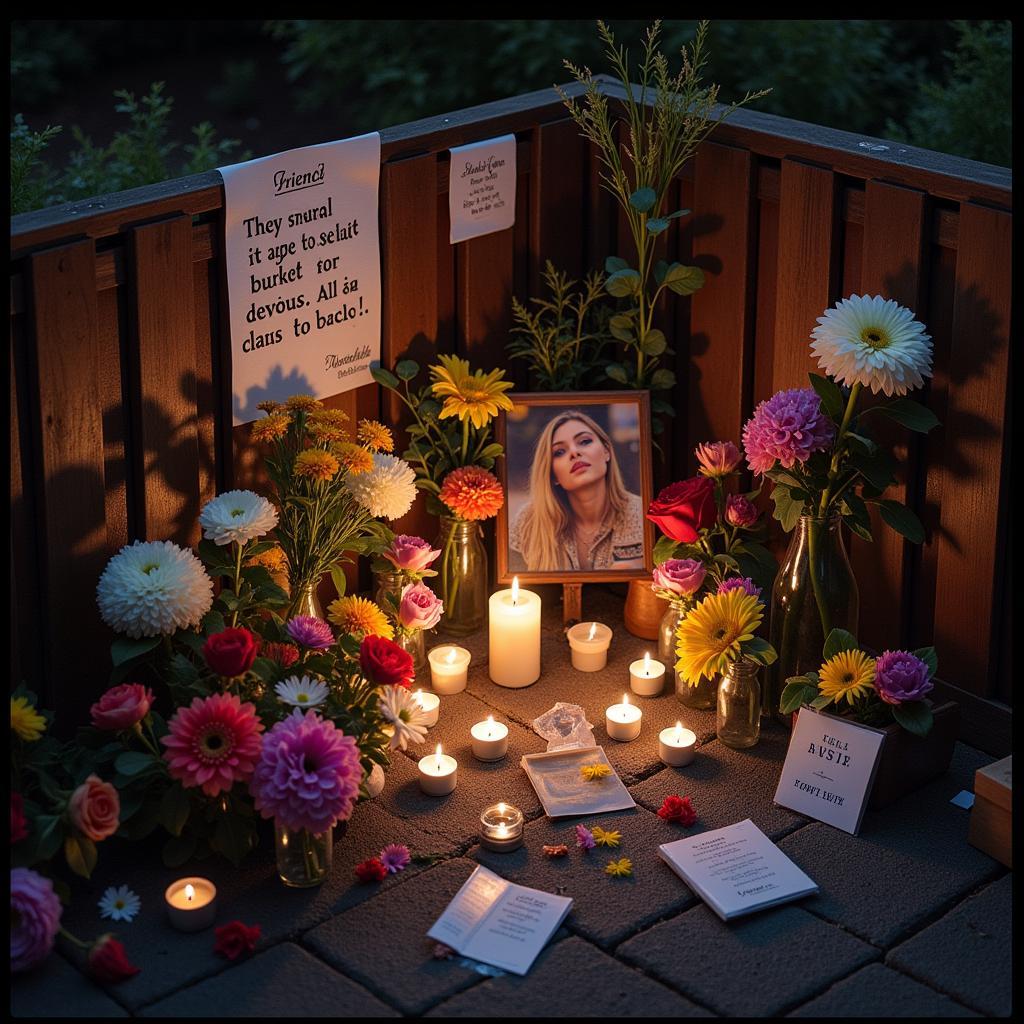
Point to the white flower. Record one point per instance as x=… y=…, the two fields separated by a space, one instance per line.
x=386 y=490
x=237 y=517
x=873 y=341
x=119 y=904
x=406 y=715
x=301 y=693
x=151 y=588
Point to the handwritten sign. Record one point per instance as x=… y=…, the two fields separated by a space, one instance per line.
x=303 y=266
x=482 y=188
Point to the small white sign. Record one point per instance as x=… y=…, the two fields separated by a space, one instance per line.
x=829 y=769
x=482 y=188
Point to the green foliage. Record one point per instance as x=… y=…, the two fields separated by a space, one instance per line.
x=31 y=179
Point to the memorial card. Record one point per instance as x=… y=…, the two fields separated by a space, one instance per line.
x=565 y=791
x=482 y=188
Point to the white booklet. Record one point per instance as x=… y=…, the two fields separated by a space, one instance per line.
x=563 y=790
x=501 y=923
x=736 y=870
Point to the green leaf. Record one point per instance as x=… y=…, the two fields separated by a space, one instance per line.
x=910 y=414
x=125 y=649
x=795 y=695
x=643 y=199
x=178 y=849
x=787 y=509
x=338 y=579
x=836 y=642
x=491 y=451
x=820 y=702
x=621 y=327
x=855 y=515
x=914 y=715
x=877 y=469
x=858 y=528
x=50 y=832
x=213 y=622
x=654 y=343
x=902 y=520
x=662 y=380
x=684 y=280
x=664 y=549
x=656 y=225
x=616 y=372
x=385 y=378
x=623 y=283
x=81 y=855
x=830 y=395
x=233 y=837
x=678 y=213
x=131 y=762
x=613 y=264
x=660 y=269
x=406 y=369
x=174 y=809
x=861 y=441
x=759 y=650
x=929 y=657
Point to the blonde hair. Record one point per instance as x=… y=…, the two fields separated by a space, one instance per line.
x=546 y=522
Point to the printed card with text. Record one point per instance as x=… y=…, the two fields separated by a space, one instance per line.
x=482 y=188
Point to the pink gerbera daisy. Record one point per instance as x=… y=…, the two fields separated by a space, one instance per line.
x=213 y=743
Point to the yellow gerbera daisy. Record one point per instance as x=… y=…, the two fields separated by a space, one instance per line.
x=375 y=436
x=709 y=638
x=303 y=403
x=327 y=424
x=849 y=674
x=606 y=837
x=360 y=617
x=25 y=720
x=621 y=868
x=271 y=428
x=273 y=560
x=353 y=457
x=316 y=464
x=476 y=396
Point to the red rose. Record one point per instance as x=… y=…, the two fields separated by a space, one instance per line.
x=371 y=870
x=385 y=663
x=284 y=654
x=121 y=707
x=678 y=809
x=108 y=961
x=683 y=508
x=235 y=938
x=231 y=652
x=19 y=827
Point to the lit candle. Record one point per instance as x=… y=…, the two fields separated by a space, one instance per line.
x=490 y=740
x=438 y=773
x=646 y=676
x=514 y=637
x=501 y=828
x=449 y=668
x=431 y=704
x=589 y=643
x=191 y=903
x=622 y=721
x=676 y=745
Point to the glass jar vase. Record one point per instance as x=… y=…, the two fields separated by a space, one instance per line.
x=461 y=580
x=739 y=705
x=303 y=859
x=307 y=602
x=701 y=696
x=390 y=585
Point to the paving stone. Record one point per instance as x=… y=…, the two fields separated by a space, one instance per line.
x=570 y=979
x=399 y=966
x=604 y=909
x=56 y=989
x=877 y=991
x=967 y=953
x=286 y=981
x=728 y=785
x=754 y=966
x=910 y=861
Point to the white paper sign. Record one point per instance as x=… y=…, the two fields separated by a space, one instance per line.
x=482 y=188
x=303 y=271
x=829 y=768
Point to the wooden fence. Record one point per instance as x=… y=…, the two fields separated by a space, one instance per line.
x=120 y=375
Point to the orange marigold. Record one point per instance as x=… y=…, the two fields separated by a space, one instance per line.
x=375 y=436
x=273 y=560
x=472 y=493
x=303 y=402
x=316 y=464
x=354 y=458
x=327 y=424
x=269 y=406
x=271 y=428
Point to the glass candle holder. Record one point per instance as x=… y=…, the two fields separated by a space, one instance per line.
x=501 y=828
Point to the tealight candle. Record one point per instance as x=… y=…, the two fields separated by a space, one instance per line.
x=431 y=704
x=589 y=643
x=438 y=773
x=676 y=745
x=501 y=828
x=646 y=677
x=514 y=636
x=622 y=721
x=490 y=740
x=449 y=668
x=191 y=904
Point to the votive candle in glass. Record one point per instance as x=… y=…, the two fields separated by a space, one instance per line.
x=449 y=668
x=676 y=745
x=589 y=643
x=191 y=904
x=490 y=739
x=501 y=828
x=646 y=677
x=438 y=773
x=622 y=721
x=431 y=704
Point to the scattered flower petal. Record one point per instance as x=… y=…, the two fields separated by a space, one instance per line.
x=585 y=838
x=371 y=870
x=234 y=939
x=595 y=771
x=556 y=851
x=606 y=838
x=678 y=809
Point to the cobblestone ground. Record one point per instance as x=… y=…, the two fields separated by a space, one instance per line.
x=910 y=921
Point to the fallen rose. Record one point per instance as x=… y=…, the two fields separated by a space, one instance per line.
x=234 y=938
x=108 y=962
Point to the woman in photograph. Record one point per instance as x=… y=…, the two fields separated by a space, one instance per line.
x=580 y=515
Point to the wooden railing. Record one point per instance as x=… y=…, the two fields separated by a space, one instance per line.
x=120 y=384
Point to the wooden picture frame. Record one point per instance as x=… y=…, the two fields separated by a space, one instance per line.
x=570 y=400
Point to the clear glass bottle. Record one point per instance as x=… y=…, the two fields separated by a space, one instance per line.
x=739 y=705
x=461 y=580
x=307 y=603
x=303 y=859
x=701 y=696
x=389 y=584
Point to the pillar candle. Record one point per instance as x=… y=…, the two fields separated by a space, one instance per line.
x=514 y=637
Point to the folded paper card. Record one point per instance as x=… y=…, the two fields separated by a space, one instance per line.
x=564 y=790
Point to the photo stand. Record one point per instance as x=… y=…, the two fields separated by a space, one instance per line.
x=572 y=603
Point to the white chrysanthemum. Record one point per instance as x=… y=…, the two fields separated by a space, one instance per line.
x=873 y=341
x=386 y=490
x=151 y=588
x=237 y=517
x=119 y=904
x=301 y=693
x=405 y=714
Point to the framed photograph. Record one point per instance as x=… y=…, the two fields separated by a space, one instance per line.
x=577 y=479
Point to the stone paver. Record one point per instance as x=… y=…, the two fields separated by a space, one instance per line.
x=570 y=979
x=286 y=981
x=967 y=953
x=877 y=991
x=56 y=989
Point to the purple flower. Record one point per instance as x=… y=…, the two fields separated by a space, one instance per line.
x=395 y=857
x=413 y=554
x=789 y=427
x=584 y=838
x=901 y=676
x=739 y=583
x=35 y=918
x=740 y=511
x=308 y=774
x=309 y=631
x=679 y=575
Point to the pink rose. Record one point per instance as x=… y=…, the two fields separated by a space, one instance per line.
x=94 y=809
x=121 y=707
x=717 y=458
x=413 y=554
x=739 y=511
x=420 y=608
x=682 y=576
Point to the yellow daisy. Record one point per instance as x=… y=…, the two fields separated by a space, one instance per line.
x=360 y=617
x=473 y=396
x=849 y=674
x=595 y=771
x=709 y=638
x=271 y=428
x=621 y=868
x=274 y=560
x=316 y=464
x=269 y=406
x=303 y=403
x=327 y=424
x=353 y=457
x=25 y=720
x=375 y=436
x=603 y=837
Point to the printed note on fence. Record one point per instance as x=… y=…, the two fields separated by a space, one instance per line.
x=482 y=188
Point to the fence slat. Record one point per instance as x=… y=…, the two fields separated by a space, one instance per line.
x=484 y=268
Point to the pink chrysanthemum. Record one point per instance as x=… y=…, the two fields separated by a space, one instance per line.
x=308 y=774
x=395 y=857
x=309 y=631
x=213 y=743
x=789 y=427
x=585 y=838
x=744 y=583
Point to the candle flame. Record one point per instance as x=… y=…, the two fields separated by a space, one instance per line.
x=679 y=732
x=593 y=630
x=451 y=656
x=190 y=893
x=515 y=589
x=501 y=807
x=437 y=758
x=647 y=663
x=419 y=697
x=625 y=698
x=490 y=726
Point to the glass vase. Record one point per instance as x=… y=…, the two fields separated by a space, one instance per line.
x=739 y=705
x=701 y=696
x=390 y=584
x=815 y=592
x=307 y=602
x=461 y=580
x=303 y=859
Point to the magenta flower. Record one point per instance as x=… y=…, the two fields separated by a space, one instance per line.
x=395 y=857
x=682 y=576
x=901 y=676
x=411 y=554
x=717 y=458
x=744 y=583
x=787 y=428
x=585 y=838
x=35 y=918
x=309 y=631
x=420 y=608
x=740 y=511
